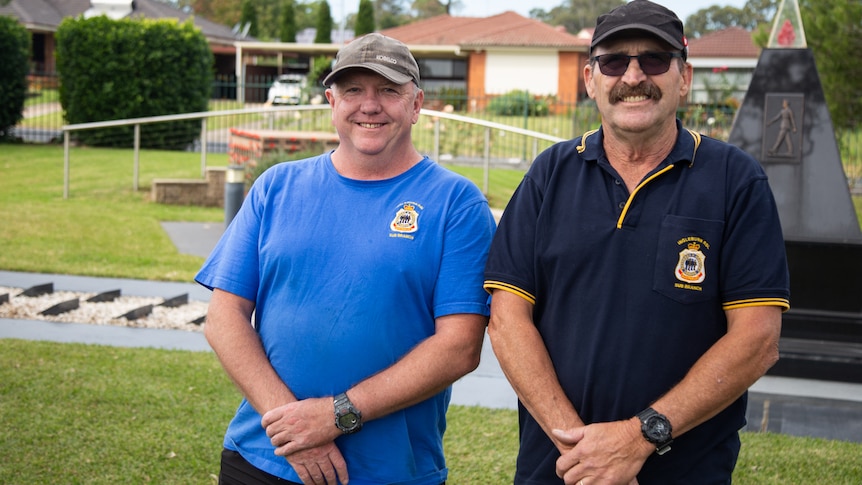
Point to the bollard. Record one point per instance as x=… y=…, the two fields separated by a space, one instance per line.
x=234 y=188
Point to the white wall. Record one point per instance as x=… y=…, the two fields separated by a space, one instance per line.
x=534 y=71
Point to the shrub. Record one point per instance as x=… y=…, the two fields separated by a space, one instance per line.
x=456 y=97
x=14 y=57
x=518 y=103
x=271 y=159
x=120 y=69
x=321 y=66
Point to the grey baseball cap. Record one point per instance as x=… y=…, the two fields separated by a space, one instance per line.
x=645 y=16
x=384 y=55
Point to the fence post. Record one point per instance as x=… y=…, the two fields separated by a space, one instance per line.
x=65 y=164
x=203 y=147
x=487 y=164
x=137 y=156
x=234 y=187
x=526 y=121
x=436 y=139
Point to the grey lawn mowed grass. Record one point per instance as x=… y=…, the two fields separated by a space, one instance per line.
x=73 y=413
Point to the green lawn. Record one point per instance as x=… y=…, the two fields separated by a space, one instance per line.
x=105 y=228
x=89 y=414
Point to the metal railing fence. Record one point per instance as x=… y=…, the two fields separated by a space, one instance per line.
x=268 y=119
x=452 y=135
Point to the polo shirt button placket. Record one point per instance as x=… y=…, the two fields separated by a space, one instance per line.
x=622 y=204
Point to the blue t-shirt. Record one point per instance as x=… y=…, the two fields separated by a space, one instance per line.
x=348 y=276
x=631 y=289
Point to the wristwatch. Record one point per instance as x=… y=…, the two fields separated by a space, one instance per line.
x=656 y=429
x=347 y=418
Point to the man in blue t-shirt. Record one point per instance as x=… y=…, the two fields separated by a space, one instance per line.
x=638 y=278
x=362 y=270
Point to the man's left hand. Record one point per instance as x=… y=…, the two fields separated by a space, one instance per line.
x=320 y=466
x=603 y=453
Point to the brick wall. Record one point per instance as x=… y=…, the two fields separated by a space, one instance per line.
x=207 y=193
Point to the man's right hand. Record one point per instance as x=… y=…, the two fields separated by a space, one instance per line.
x=323 y=465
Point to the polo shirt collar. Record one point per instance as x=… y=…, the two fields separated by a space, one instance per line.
x=685 y=149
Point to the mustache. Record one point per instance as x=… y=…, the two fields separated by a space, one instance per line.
x=622 y=91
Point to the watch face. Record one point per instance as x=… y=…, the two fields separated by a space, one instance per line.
x=657 y=429
x=347 y=421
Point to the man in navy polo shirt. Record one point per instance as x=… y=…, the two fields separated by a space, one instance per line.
x=638 y=279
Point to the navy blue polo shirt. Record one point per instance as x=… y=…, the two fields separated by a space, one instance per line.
x=630 y=289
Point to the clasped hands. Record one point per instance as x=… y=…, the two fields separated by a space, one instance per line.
x=601 y=453
x=304 y=433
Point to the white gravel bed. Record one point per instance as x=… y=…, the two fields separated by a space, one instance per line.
x=103 y=313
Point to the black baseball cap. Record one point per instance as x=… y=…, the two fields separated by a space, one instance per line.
x=645 y=16
x=386 y=56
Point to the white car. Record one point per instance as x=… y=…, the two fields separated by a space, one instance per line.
x=287 y=89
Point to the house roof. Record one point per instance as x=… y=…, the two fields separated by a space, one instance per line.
x=730 y=42
x=158 y=10
x=507 y=29
x=46 y=15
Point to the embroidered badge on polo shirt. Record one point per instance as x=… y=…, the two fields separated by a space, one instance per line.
x=690 y=267
x=406 y=219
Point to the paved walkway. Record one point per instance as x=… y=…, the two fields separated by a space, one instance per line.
x=799 y=407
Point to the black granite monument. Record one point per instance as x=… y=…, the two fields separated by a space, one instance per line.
x=784 y=122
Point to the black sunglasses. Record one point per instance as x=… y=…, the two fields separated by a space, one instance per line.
x=651 y=63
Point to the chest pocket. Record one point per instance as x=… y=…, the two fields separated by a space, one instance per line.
x=687 y=259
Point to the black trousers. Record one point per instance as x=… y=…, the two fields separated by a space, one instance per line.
x=235 y=470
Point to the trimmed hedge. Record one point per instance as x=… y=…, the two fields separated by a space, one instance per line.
x=14 y=57
x=119 y=69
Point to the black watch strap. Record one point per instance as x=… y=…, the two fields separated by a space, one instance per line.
x=656 y=429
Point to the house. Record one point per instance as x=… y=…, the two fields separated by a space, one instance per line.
x=723 y=62
x=497 y=54
x=42 y=18
x=479 y=57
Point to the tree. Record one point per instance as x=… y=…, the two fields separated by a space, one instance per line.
x=225 y=12
x=15 y=58
x=390 y=13
x=249 y=17
x=269 y=14
x=715 y=18
x=324 y=24
x=833 y=30
x=576 y=15
x=431 y=8
x=364 y=18
x=763 y=10
x=287 y=33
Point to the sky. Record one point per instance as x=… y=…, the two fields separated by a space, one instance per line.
x=486 y=8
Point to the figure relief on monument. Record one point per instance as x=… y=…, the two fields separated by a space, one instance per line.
x=782 y=141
